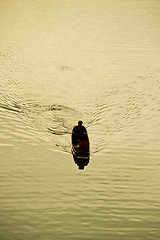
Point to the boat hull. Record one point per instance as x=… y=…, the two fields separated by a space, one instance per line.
x=81 y=155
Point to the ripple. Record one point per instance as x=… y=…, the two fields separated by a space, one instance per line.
x=14 y=108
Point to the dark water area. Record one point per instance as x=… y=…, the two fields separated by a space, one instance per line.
x=65 y=61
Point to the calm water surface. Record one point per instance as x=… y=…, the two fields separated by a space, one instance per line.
x=61 y=61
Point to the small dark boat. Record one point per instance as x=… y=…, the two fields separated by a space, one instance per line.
x=81 y=149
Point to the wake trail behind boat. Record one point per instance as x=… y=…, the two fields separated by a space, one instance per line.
x=58 y=132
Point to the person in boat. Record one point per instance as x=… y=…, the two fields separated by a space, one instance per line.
x=79 y=130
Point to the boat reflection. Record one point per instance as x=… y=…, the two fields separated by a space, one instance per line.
x=81 y=162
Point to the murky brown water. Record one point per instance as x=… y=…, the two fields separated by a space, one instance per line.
x=61 y=61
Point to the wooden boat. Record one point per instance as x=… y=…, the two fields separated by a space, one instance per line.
x=80 y=147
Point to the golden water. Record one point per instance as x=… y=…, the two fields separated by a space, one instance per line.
x=61 y=61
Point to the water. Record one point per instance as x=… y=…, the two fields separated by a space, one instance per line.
x=61 y=61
